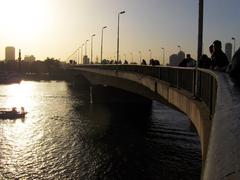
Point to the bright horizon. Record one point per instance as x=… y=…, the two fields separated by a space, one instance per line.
x=57 y=28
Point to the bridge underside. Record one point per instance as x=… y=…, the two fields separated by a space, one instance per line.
x=119 y=90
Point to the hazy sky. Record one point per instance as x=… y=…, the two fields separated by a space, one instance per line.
x=55 y=28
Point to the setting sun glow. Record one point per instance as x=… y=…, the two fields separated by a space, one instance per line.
x=57 y=28
x=22 y=20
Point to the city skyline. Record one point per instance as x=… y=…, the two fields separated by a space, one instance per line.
x=53 y=29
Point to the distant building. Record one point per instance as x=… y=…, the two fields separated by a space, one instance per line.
x=29 y=58
x=228 y=51
x=9 y=53
x=181 y=55
x=85 y=60
x=175 y=59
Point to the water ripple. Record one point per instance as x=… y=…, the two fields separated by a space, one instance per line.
x=64 y=137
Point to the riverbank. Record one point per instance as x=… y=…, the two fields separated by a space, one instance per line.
x=45 y=76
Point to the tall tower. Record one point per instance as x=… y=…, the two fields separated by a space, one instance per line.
x=228 y=51
x=9 y=53
x=19 y=55
x=19 y=61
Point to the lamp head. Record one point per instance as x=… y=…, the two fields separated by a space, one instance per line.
x=122 y=12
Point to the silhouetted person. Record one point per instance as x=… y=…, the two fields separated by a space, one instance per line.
x=14 y=110
x=234 y=69
x=211 y=53
x=187 y=62
x=151 y=62
x=191 y=61
x=183 y=63
x=204 y=62
x=22 y=110
x=156 y=62
x=211 y=49
x=219 y=59
x=125 y=62
x=143 y=62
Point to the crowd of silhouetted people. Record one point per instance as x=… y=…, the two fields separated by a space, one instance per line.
x=217 y=61
x=220 y=62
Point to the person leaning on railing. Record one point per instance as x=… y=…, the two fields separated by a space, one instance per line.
x=204 y=62
x=219 y=59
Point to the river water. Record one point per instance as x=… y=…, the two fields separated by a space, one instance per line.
x=65 y=137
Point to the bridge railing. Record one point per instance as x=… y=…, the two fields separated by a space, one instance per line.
x=205 y=88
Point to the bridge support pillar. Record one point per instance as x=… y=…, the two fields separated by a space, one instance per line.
x=91 y=94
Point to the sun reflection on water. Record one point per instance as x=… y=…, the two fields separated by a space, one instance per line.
x=20 y=95
x=19 y=136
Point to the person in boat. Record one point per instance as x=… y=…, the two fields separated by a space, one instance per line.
x=14 y=110
x=22 y=110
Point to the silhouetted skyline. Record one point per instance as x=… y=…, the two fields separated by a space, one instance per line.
x=56 y=28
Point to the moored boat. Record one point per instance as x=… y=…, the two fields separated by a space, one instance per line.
x=12 y=113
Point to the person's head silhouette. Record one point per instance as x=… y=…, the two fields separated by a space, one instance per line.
x=211 y=49
x=217 y=45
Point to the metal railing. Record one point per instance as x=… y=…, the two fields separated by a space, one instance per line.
x=205 y=88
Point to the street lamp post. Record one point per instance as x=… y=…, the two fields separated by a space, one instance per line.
x=140 y=56
x=180 y=48
x=78 y=54
x=150 y=53
x=86 y=47
x=82 y=53
x=200 y=42
x=200 y=29
x=125 y=56
x=163 y=49
x=102 y=43
x=122 y=12
x=234 y=44
x=92 y=47
x=132 y=57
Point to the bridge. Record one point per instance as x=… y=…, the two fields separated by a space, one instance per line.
x=210 y=99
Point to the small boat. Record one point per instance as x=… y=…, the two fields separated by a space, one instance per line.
x=12 y=113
